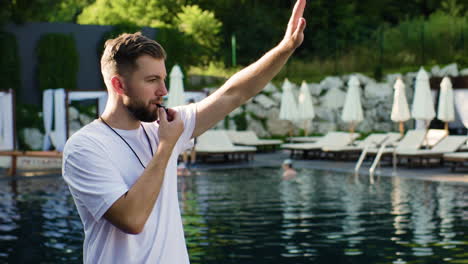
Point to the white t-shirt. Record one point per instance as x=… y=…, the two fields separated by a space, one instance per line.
x=99 y=168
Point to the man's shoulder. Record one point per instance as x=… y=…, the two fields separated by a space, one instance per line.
x=87 y=135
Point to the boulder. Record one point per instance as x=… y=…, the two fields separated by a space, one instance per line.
x=334 y=98
x=265 y=101
x=270 y=87
x=323 y=127
x=435 y=71
x=258 y=128
x=464 y=72
x=85 y=119
x=33 y=138
x=450 y=70
x=331 y=82
x=73 y=114
x=257 y=110
x=315 y=89
x=378 y=90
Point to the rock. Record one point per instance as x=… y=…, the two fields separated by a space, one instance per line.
x=85 y=119
x=264 y=101
x=464 y=72
x=450 y=70
x=331 y=82
x=378 y=90
x=277 y=97
x=258 y=128
x=33 y=138
x=323 y=127
x=74 y=125
x=235 y=112
x=256 y=110
x=391 y=78
x=364 y=126
x=435 y=71
x=334 y=98
x=315 y=89
x=73 y=114
x=270 y=87
x=385 y=127
x=363 y=79
x=324 y=114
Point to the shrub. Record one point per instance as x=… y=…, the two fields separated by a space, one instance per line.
x=9 y=62
x=58 y=61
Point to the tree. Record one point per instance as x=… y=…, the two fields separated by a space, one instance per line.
x=201 y=25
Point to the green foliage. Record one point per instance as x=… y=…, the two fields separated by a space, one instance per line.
x=201 y=25
x=57 y=61
x=151 y=13
x=240 y=121
x=9 y=62
x=180 y=48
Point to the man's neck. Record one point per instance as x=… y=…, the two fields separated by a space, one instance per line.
x=120 y=118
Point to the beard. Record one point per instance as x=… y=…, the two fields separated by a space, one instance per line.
x=141 y=111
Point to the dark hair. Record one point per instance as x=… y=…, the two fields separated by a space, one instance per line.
x=120 y=54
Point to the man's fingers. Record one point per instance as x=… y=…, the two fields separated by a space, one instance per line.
x=162 y=114
x=298 y=11
x=300 y=28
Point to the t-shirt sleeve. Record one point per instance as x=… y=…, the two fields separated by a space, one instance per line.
x=188 y=114
x=92 y=178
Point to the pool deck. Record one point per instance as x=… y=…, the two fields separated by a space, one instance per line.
x=275 y=159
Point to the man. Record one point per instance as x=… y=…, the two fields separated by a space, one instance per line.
x=288 y=171
x=121 y=168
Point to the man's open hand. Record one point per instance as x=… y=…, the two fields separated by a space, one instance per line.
x=295 y=31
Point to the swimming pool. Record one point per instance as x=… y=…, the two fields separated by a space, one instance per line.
x=252 y=216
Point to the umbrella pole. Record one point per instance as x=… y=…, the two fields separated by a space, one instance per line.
x=426 y=144
x=446 y=127
x=305 y=128
x=351 y=129
x=402 y=129
x=290 y=129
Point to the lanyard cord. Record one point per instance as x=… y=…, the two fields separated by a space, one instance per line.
x=147 y=138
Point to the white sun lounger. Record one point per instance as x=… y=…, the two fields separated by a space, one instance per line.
x=249 y=138
x=217 y=143
x=447 y=145
x=330 y=139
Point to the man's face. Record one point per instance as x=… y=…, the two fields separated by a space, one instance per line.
x=145 y=88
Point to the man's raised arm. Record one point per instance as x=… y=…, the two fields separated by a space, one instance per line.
x=252 y=79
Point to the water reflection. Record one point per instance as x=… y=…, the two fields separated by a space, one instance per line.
x=252 y=216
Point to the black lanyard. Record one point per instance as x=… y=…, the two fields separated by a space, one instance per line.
x=147 y=137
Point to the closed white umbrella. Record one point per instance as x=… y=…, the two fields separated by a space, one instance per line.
x=176 y=87
x=352 y=110
x=446 y=110
x=400 y=109
x=423 y=105
x=305 y=106
x=288 y=109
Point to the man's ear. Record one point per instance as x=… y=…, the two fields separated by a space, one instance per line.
x=117 y=84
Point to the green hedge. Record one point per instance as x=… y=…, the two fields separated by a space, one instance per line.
x=9 y=62
x=58 y=61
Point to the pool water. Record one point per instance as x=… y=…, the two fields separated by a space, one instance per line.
x=252 y=216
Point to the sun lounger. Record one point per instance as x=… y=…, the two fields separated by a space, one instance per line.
x=215 y=143
x=310 y=139
x=249 y=138
x=457 y=159
x=411 y=141
x=373 y=140
x=330 y=139
x=447 y=145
